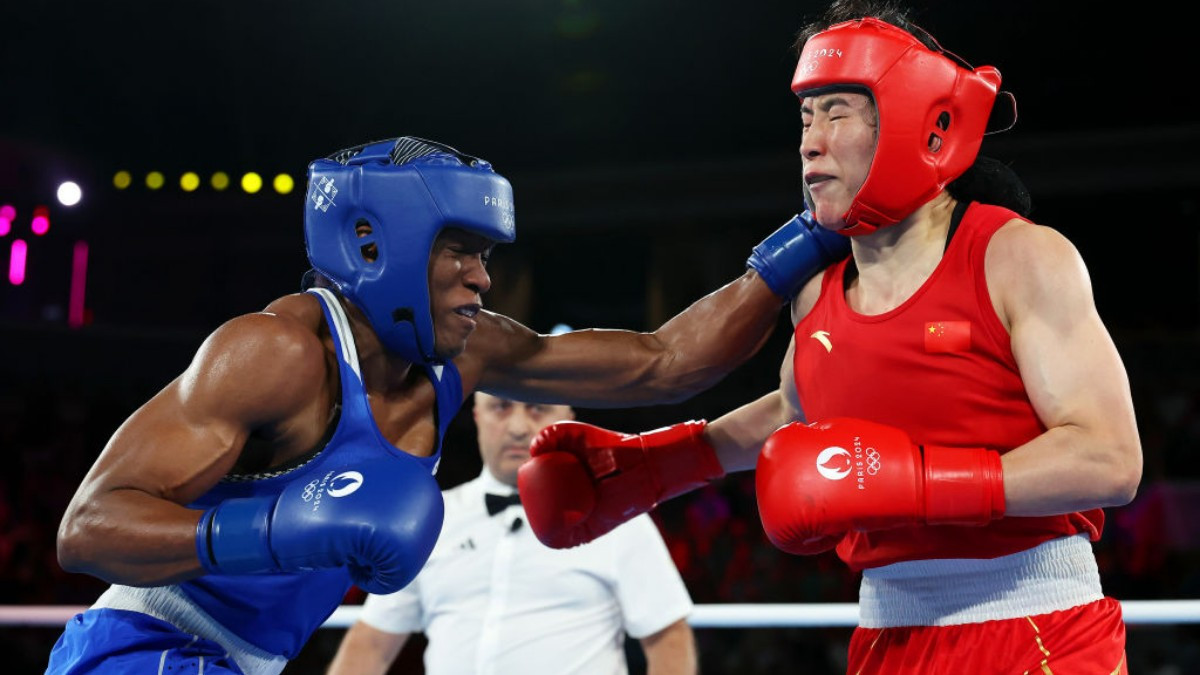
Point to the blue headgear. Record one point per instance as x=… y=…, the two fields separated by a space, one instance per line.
x=407 y=190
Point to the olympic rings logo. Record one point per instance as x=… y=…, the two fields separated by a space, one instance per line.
x=873 y=461
x=310 y=490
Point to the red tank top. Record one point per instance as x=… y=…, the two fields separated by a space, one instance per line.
x=940 y=367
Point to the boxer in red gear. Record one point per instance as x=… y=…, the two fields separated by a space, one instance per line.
x=969 y=413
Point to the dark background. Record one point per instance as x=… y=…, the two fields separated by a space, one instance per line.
x=650 y=144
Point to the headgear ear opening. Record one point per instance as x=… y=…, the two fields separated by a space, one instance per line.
x=407 y=190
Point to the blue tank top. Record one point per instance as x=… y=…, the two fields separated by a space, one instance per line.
x=278 y=612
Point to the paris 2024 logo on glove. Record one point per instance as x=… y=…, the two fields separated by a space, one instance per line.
x=341 y=485
x=836 y=463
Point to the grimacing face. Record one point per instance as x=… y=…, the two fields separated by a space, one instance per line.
x=458 y=278
x=507 y=427
x=838 y=144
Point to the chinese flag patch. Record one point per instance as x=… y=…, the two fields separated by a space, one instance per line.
x=948 y=336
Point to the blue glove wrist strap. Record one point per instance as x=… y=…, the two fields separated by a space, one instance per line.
x=234 y=537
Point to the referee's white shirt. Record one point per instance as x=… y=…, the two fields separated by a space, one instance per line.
x=492 y=600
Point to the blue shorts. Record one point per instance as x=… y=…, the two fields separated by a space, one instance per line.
x=118 y=641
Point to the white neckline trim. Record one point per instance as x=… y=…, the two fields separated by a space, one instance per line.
x=341 y=324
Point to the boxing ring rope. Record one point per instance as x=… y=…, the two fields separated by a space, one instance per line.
x=811 y=615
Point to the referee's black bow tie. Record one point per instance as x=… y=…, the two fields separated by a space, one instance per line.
x=497 y=503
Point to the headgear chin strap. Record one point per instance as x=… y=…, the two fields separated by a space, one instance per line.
x=932 y=110
x=407 y=190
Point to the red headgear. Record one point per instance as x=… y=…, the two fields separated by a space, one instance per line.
x=932 y=112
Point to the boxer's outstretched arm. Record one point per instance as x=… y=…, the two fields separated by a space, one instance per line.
x=126 y=523
x=688 y=354
x=612 y=368
x=1090 y=455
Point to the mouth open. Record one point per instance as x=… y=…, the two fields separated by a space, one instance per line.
x=469 y=311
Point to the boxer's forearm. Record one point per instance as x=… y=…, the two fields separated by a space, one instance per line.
x=618 y=368
x=129 y=537
x=716 y=334
x=737 y=436
x=686 y=355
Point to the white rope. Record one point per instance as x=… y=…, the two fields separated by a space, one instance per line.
x=1136 y=612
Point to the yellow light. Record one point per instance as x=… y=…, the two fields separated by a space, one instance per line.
x=154 y=180
x=284 y=184
x=122 y=180
x=189 y=181
x=251 y=182
x=220 y=181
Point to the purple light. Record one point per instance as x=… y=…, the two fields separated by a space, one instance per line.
x=41 y=221
x=5 y=226
x=79 y=260
x=7 y=212
x=16 y=263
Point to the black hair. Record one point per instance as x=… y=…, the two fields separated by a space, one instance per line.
x=992 y=182
x=840 y=11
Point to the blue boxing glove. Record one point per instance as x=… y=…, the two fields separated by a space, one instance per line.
x=795 y=252
x=379 y=518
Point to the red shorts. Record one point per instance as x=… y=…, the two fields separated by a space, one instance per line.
x=1078 y=641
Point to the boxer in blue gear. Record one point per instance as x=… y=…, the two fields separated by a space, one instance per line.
x=295 y=455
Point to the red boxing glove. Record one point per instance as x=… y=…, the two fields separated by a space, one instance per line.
x=818 y=481
x=583 y=481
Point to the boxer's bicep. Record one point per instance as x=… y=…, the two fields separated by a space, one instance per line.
x=178 y=445
x=1090 y=454
x=255 y=372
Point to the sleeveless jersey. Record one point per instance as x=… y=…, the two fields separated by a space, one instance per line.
x=278 y=612
x=940 y=366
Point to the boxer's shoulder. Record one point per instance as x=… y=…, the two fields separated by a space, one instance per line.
x=267 y=364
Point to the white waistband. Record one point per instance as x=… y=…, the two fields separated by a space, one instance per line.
x=1054 y=575
x=172 y=605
